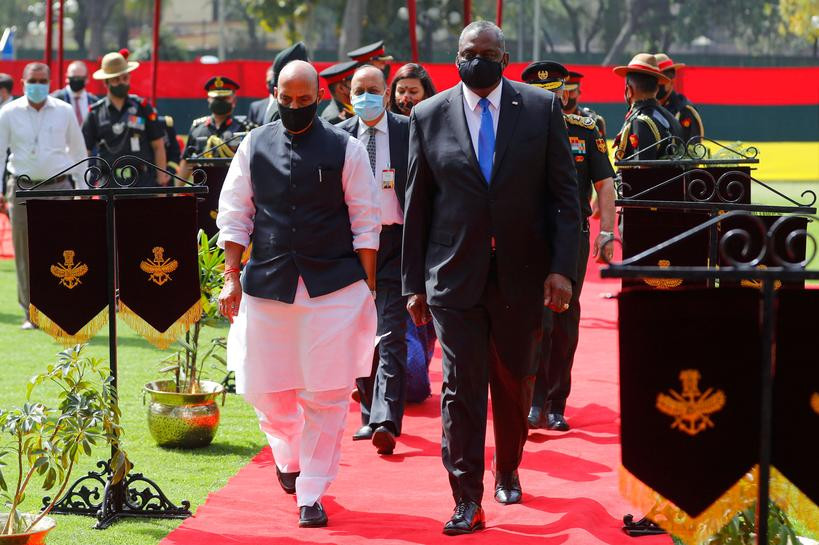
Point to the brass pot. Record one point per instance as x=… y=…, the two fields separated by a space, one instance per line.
x=183 y=420
x=35 y=537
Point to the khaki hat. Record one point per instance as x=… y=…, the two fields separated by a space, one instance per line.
x=642 y=63
x=664 y=62
x=113 y=65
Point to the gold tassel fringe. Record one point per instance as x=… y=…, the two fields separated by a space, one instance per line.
x=161 y=339
x=793 y=502
x=60 y=335
x=691 y=530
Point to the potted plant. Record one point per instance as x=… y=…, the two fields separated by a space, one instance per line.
x=47 y=442
x=183 y=410
x=742 y=529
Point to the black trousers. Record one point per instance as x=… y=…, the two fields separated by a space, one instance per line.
x=560 y=336
x=383 y=394
x=486 y=344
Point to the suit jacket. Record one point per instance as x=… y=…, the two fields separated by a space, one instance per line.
x=398 y=127
x=63 y=94
x=258 y=109
x=530 y=207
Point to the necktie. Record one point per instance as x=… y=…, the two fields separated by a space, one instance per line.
x=77 y=111
x=486 y=140
x=371 y=148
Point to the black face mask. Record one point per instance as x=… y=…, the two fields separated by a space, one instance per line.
x=76 y=84
x=220 y=107
x=297 y=119
x=270 y=86
x=571 y=104
x=479 y=73
x=119 y=91
x=406 y=107
x=662 y=92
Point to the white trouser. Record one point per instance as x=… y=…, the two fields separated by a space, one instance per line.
x=304 y=430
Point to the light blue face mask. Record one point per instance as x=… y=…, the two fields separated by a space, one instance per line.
x=368 y=106
x=36 y=92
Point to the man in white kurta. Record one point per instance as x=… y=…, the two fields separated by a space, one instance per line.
x=303 y=317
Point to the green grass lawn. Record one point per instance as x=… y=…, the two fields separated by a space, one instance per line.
x=190 y=475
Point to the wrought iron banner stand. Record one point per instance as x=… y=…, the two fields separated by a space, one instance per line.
x=717 y=197
x=134 y=496
x=742 y=268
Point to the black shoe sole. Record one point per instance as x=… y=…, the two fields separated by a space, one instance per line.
x=509 y=502
x=312 y=523
x=459 y=532
x=362 y=437
x=384 y=442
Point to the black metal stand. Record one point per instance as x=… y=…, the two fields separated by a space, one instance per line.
x=94 y=494
x=742 y=268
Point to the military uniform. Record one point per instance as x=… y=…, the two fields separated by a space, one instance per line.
x=573 y=83
x=561 y=331
x=172 y=152
x=128 y=131
x=336 y=111
x=688 y=116
x=204 y=135
x=646 y=124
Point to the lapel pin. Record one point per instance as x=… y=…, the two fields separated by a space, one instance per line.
x=514 y=102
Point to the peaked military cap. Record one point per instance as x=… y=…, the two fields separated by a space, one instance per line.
x=573 y=81
x=546 y=74
x=371 y=52
x=296 y=52
x=339 y=72
x=221 y=86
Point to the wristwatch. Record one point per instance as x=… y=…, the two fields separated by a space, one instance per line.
x=609 y=234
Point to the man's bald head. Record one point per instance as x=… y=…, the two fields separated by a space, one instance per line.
x=299 y=74
x=77 y=69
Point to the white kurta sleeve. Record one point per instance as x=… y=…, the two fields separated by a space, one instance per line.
x=236 y=208
x=361 y=196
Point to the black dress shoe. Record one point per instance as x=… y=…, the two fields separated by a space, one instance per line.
x=384 y=440
x=535 y=418
x=312 y=516
x=467 y=518
x=287 y=481
x=555 y=421
x=363 y=433
x=507 y=488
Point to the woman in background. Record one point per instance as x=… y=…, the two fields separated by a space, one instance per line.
x=410 y=86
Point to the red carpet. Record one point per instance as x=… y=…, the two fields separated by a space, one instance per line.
x=6 y=249
x=569 y=480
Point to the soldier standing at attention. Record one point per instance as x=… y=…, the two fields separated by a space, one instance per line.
x=123 y=124
x=561 y=330
x=338 y=79
x=375 y=55
x=572 y=91
x=220 y=127
x=676 y=103
x=646 y=121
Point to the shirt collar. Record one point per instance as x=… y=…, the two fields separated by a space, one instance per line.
x=472 y=99
x=381 y=126
x=48 y=103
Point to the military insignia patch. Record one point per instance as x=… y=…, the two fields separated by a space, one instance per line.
x=579 y=158
x=691 y=408
x=633 y=140
x=686 y=122
x=578 y=145
x=159 y=269
x=601 y=145
x=218 y=83
x=69 y=272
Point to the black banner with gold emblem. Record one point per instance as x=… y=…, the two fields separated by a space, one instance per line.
x=795 y=473
x=690 y=385
x=67 y=268
x=158 y=264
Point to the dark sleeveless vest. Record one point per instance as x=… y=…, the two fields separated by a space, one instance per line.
x=301 y=226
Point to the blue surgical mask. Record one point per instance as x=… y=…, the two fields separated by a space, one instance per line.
x=368 y=106
x=36 y=92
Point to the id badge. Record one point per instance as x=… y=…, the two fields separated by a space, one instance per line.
x=388 y=178
x=135 y=144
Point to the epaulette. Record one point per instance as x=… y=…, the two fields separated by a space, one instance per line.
x=200 y=120
x=168 y=121
x=651 y=125
x=580 y=121
x=97 y=104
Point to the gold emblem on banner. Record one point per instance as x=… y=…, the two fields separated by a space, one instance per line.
x=814 y=402
x=68 y=272
x=691 y=408
x=758 y=283
x=159 y=269
x=663 y=283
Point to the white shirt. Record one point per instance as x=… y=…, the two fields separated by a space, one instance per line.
x=80 y=99
x=236 y=207
x=390 y=207
x=473 y=111
x=43 y=142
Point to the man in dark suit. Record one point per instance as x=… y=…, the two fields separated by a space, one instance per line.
x=76 y=77
x=267 y=109
x=491 y=232
x=386 y=136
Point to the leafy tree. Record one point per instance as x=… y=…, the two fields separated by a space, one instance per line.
x=798 y=17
